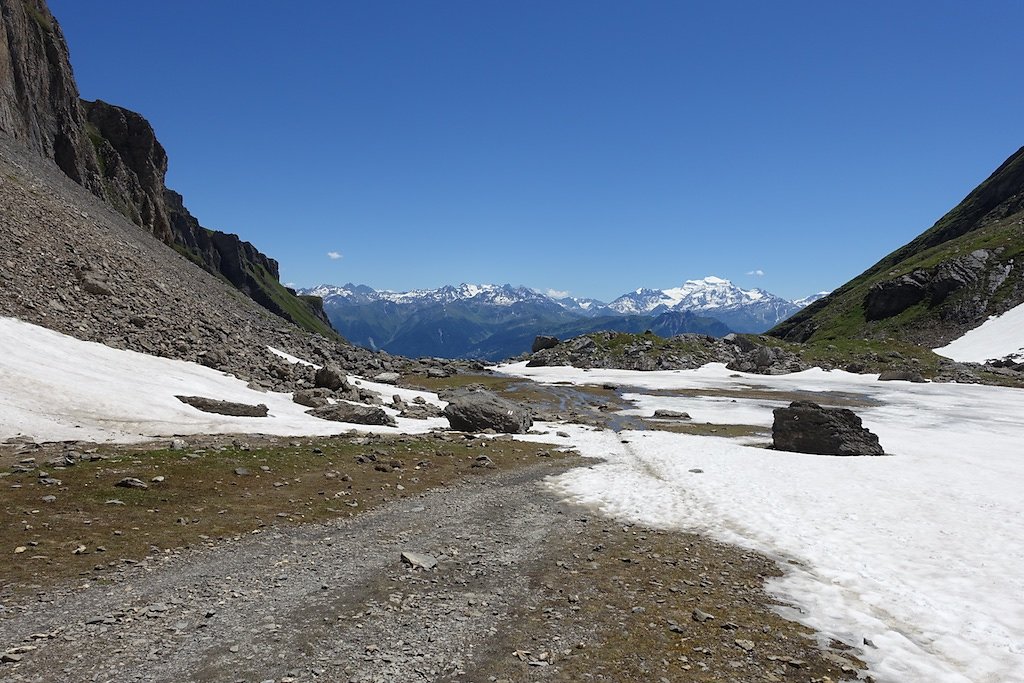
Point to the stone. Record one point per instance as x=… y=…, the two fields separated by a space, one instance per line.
x=541 y=342
x=806 y=427
x=475 y=411
x=331 y=377
x=353 y=414
x=702 y=616
x=745 y=645
x=419 y=560
x=178 y=444
x=387 y=378
x=132 y=483
x=670 y=415
x=312 y=398
x=901 y=375
x=219 y=407
x=242 y=471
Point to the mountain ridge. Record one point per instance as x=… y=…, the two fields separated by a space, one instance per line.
x=494 y=322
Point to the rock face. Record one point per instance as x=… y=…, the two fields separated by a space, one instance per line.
x=476 y=411
x=806 y=427
x=114 y=153
x=39 y=104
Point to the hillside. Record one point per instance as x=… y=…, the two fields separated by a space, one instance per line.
x=115 y=155
x=950 y=279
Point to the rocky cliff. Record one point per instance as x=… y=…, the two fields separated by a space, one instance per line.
x=115 y=154
x=946 y=281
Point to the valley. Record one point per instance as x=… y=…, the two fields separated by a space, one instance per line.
x=209 y=475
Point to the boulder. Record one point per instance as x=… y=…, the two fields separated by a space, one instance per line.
x=213 y=405
x=387 y=378
x=475 y=411
x=901 y=375
x=806 y=427
x=663 y=414
x=541 y=342
x=331 y=377
x=353 y=414
x=312 y=398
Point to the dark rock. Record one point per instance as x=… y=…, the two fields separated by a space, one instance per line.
x=312 y=398
x=331 y=377
x=901 y=375
x=475 y=411
x=542 y=342
x=212 y=405
x=353 y=414
x=806 y=427
x=670 y=415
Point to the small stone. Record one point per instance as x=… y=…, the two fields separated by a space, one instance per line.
x=159 y=479
x=419 y=560
x=242 y=471
x=132 y=483
x=178 y=444
x=746 y=645
x=49 y=499
x=701 y=616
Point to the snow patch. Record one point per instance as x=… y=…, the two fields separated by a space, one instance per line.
x=998 y=337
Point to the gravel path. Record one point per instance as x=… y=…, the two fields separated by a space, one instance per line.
x=330 y=600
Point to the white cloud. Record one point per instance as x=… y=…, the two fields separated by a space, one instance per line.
x=756 y=273
x=557 y=293
x=334 y=255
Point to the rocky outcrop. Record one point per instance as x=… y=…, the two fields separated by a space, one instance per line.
x=806 y=427
x=477 y=411
x=219 y=407
x=39 y=104
x=542 y=342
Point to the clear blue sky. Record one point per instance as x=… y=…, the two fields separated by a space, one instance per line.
x=592 y=146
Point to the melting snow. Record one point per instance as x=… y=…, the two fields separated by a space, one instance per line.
x=997 y=337
x=54 y=388
x=921 y=553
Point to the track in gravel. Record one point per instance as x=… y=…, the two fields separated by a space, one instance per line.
x=330 y=601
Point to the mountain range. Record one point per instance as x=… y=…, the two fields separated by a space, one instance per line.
x=493 y=322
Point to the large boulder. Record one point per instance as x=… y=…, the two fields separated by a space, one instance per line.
x=541 y=342
x=331 y=377
x=476 y=411
x=213 y=405
x=806 y=427
x=353 y=414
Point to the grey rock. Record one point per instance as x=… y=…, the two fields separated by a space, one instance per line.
x=178 y=445
x=387 y=378
x=542 y=342
x=671 y=415
x=806 y=427
x=475 y=411
x=212 y=405
x=312 y=398
x=901 y=375
x=331 y=377
x=132 y=483
x=419 y=560
x=353 y=414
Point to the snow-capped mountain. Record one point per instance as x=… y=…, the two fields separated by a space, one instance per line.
x=808 y=300
x=744 y=310
x=499 y=321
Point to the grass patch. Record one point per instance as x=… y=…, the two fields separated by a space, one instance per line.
x=202 y=499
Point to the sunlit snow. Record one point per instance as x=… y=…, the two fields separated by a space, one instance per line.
x=997 y=337
x=54 y=387
x=920 y=553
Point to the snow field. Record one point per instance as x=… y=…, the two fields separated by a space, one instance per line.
x=921 y=553
x=54 y=388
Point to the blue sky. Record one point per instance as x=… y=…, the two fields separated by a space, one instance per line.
x=590 y=147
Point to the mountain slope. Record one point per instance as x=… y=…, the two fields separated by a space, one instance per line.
x=946 y=281
x=115 y=155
